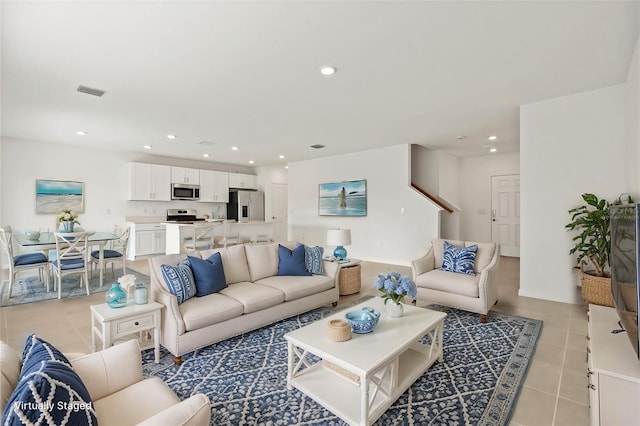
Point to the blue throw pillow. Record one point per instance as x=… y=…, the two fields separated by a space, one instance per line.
x=179 y=280
x=313 y=259
x=208 y=274
x=459 y=259
x=291 y=262
x=37 y=350
x=48 y=390
x=51 y=394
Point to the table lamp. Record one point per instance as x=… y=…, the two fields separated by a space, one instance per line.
x=339 y=238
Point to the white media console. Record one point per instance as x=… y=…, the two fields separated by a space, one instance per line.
x=614 y=371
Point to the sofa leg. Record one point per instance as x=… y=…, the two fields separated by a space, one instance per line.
x=483 y=318
x=413 y=302
x=334 y=304
x=177 y=360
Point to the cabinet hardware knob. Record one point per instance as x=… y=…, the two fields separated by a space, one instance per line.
x=590 y=386
x=588 y=337
x=136 y=323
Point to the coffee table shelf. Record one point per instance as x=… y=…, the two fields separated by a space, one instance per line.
x=386 y=361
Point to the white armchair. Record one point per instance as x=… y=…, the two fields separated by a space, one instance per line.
x=120 y=394
x=473 y=293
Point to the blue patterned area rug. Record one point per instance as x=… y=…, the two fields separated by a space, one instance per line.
x=245 y=377
x=31 y=289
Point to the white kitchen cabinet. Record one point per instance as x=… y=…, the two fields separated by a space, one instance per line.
x=241 y=180
x=149 y=182
x=214 y=186
x=614 y=371
x=185 y=175
x=146 y=239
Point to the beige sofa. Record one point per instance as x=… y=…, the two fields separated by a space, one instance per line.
x=120 y=394
x=473 y=293
x=256 y=296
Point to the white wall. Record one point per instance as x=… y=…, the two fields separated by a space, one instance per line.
x=568 y=146
x=475 y=191
x=103 y=172
x=632 y=124
x=384 y=235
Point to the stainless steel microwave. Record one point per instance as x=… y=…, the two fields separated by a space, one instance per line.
x=184 y=191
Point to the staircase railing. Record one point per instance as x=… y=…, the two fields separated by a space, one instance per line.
x=433 y=198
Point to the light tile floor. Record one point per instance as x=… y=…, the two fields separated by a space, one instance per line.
x=554 y=393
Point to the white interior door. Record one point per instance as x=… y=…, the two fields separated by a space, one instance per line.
x=279 y=211
x=505 y=213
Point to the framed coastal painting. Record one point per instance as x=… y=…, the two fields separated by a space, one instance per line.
x=347 y=198
x=53 y=196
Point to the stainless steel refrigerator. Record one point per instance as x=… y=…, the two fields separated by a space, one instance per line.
x=246 y=206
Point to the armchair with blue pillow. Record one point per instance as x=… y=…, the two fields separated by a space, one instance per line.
x=460 y=274
x=45 y=386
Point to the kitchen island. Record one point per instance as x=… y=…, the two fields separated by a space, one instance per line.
x=257 y=231
x=178 y=231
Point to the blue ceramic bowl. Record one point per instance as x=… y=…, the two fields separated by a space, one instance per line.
x=364 y=320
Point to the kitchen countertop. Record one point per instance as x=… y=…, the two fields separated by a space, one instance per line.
x=146 y=219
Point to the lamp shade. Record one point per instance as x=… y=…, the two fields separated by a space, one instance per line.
x=339 y=237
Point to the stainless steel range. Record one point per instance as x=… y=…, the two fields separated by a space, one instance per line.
x=183 y=216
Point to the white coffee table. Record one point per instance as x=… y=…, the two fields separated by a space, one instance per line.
x=380 y=365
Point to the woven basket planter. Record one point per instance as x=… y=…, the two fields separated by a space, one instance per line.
x=596 y=290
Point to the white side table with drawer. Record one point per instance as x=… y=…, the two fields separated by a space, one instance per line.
x=109 y=324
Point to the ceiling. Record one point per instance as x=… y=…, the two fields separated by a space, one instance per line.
x=246 y=74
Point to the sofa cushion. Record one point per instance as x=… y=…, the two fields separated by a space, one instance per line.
x=208 y=274
x=254 y=297
x=179 y=280
x=199 y=312
x=262 y=260
x=438 y=249
x=234 y=262
x=9 y=372
x=135 y=403
x=295 y=287
x=484 y=256
x=313 y=259
x=466 y=285
x=460 y=260
x=291 y=262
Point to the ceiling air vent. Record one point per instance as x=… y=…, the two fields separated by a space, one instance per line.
x=90 y=91
x=317 y=146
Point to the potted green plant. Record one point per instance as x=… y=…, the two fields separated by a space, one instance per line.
x=592 y=245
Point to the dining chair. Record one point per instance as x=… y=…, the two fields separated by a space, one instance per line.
x=117 y=249
x=201 y=238
x=72 y=257
x=23 y=261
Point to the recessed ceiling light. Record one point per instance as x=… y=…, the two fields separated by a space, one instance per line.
x=493 y=149
x=493 y=138
x=235 y=148
x=81 y=132
x=206 y=155
x=281 y=156
x=251 y=161
x=286 y=167
x=147 y=146
x=171 y=136
x=328 y=70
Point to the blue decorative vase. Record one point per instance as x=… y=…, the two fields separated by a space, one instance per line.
x=116 y=297
x=67 y=226
x=340 y=252
x=141 y=294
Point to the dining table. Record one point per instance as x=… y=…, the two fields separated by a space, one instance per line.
x=47 y=241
